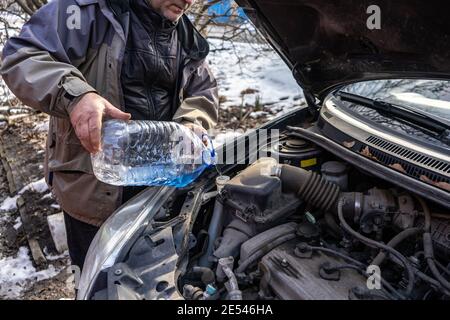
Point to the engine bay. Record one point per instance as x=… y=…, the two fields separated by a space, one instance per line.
x=306 y=225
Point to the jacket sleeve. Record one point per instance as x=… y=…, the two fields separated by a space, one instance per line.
x=201 y=102
x=38 y=64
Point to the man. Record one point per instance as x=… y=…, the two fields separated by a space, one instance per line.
x=138 y=59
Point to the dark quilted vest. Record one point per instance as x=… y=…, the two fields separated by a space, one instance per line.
x=150 y=64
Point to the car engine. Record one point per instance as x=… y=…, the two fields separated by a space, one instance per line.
x=282 y=232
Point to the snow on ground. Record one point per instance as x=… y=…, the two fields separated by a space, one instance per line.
x=39 y=186
x=17 y=223
x=253 y=74
x=224 y=137
x=9 y=203
x=241 y=67
x=47 y=196
x=16 y=272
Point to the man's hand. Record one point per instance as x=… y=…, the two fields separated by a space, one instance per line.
x=198 y=130
x=86 y=118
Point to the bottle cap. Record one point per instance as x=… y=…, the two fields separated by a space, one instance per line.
x=209 y=155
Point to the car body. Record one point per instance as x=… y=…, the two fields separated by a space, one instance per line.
x=356 y=184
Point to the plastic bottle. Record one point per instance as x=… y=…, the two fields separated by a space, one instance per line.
x=150 y=153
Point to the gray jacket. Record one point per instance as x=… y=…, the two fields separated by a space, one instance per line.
x=54 y=61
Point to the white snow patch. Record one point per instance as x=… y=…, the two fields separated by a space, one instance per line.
x=9 y=204
x=17 y=223
x=39 y=186
x=47 y=196
x=263 y=71
x=17 y=272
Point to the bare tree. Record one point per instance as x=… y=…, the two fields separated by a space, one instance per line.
x=30 y=6
x=12 y=17
x=228 y=28
x=205 y=19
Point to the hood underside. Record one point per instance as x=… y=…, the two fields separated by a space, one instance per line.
x=328 y=43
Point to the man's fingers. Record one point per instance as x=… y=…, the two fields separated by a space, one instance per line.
x=82 y=131
x=86 y=118
x=95 y=126
x=115 y=113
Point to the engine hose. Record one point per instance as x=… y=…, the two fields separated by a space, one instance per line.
x=425 y=277
x=428 y=246
x=431 y=281
x=233 y=291
x=426 y=213
x=215 y=227
x=376 y=244
x=206 y=274
x=442 y=267
x=438 y=215
x=361 y=271
x=338 y=254
x=310 y=187
x=331 y=223
x=395 y=241
x=357 y=264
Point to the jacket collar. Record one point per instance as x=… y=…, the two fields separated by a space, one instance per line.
x=193 y=43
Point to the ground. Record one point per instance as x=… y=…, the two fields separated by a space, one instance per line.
x=22 y=146
x=252 y=92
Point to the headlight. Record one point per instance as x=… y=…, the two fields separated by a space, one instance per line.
x=116 y=231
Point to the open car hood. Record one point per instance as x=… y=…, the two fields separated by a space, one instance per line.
x=328 y=43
